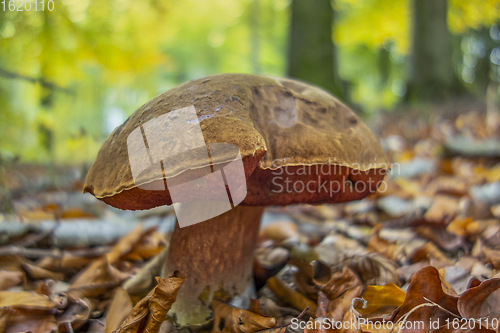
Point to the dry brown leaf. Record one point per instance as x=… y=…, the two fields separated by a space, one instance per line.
x=37 y=214
x=75 y=315
x=441 y=237
x=67 y=263
x=149 y=246
x=495 y=210
x=10 y=279
x=350 y=321
x=317 y=276
x=448 y=185
x=25 y=300
x=4 y=318
x=269 y=308
x=493 y=256
x=429 y=252
x=33 y=321
x=279 y=231
x=477 y=227
x=11 y=262
x=140 y=284
x=340 y=282
x=27 y=311
x=229 y=319
x=150 y=312
x=75 y=212
x=98 y=278
x=119 y=309
x=127 y=243
x=373 y=269
x=311 y=276
x=460 y=226
x=294 y=298
x=339 y=306
x=382 y=246
x=443 y=208
x=38 y=273
x=426 y=283
x=482 y=301
x=411 y=188
x=268 y=262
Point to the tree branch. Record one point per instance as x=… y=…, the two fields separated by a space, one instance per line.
x=42 y=81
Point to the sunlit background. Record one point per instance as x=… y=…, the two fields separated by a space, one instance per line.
x=69 y=76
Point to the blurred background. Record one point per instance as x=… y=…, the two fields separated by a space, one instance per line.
x=73 y=72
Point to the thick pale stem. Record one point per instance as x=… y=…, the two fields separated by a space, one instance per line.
x=216 y=257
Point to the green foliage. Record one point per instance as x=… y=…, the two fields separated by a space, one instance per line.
x=107 y=57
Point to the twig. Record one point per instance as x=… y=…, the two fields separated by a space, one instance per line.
x=42 y=81
x=54 y=253
x=30 y=253
x=70 y=328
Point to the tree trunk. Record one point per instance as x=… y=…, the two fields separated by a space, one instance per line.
x=311 y=51
x=431 y=70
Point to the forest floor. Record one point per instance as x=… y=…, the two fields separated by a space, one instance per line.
x=424 y=250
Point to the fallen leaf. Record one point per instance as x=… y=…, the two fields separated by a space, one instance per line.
x=25 y=300
x=441 y=237
x=294 y=298
x=127 y=243
x=448 y=185
x=429 y=252
x=32 y=321
x=280 y=231
x=373 y=269
x=459 y=226
x=383 y=247
x=338 y=307
x=229 y=319
x=150 y=312
x=493 y=256
x=388 y=296
x=482 y=301
x=10 y=279
x=100 y=277
x=74 y=213
x=340 y=282
x=4 y=318
x=27 y=311
x=67 y=263
x=119 y=309
x=317 y=276
x=443 y=208
x=75 y=315
x=38 y=273
x=426 y=287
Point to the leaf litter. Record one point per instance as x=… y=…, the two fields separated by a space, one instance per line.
x=425 y=248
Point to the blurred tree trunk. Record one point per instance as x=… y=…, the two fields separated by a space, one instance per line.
x=254 y=36
x=432 y=76
x=311 y=51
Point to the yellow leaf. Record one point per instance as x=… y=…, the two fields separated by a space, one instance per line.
x=25 y=300
x=379 y=296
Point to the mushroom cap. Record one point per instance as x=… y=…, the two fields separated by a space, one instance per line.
x=285 y=130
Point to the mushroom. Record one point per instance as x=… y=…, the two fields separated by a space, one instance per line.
x=296 y=144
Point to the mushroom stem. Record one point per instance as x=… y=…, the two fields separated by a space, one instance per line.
x=216 y=256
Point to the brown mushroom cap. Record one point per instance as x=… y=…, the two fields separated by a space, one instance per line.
x=282 y=127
